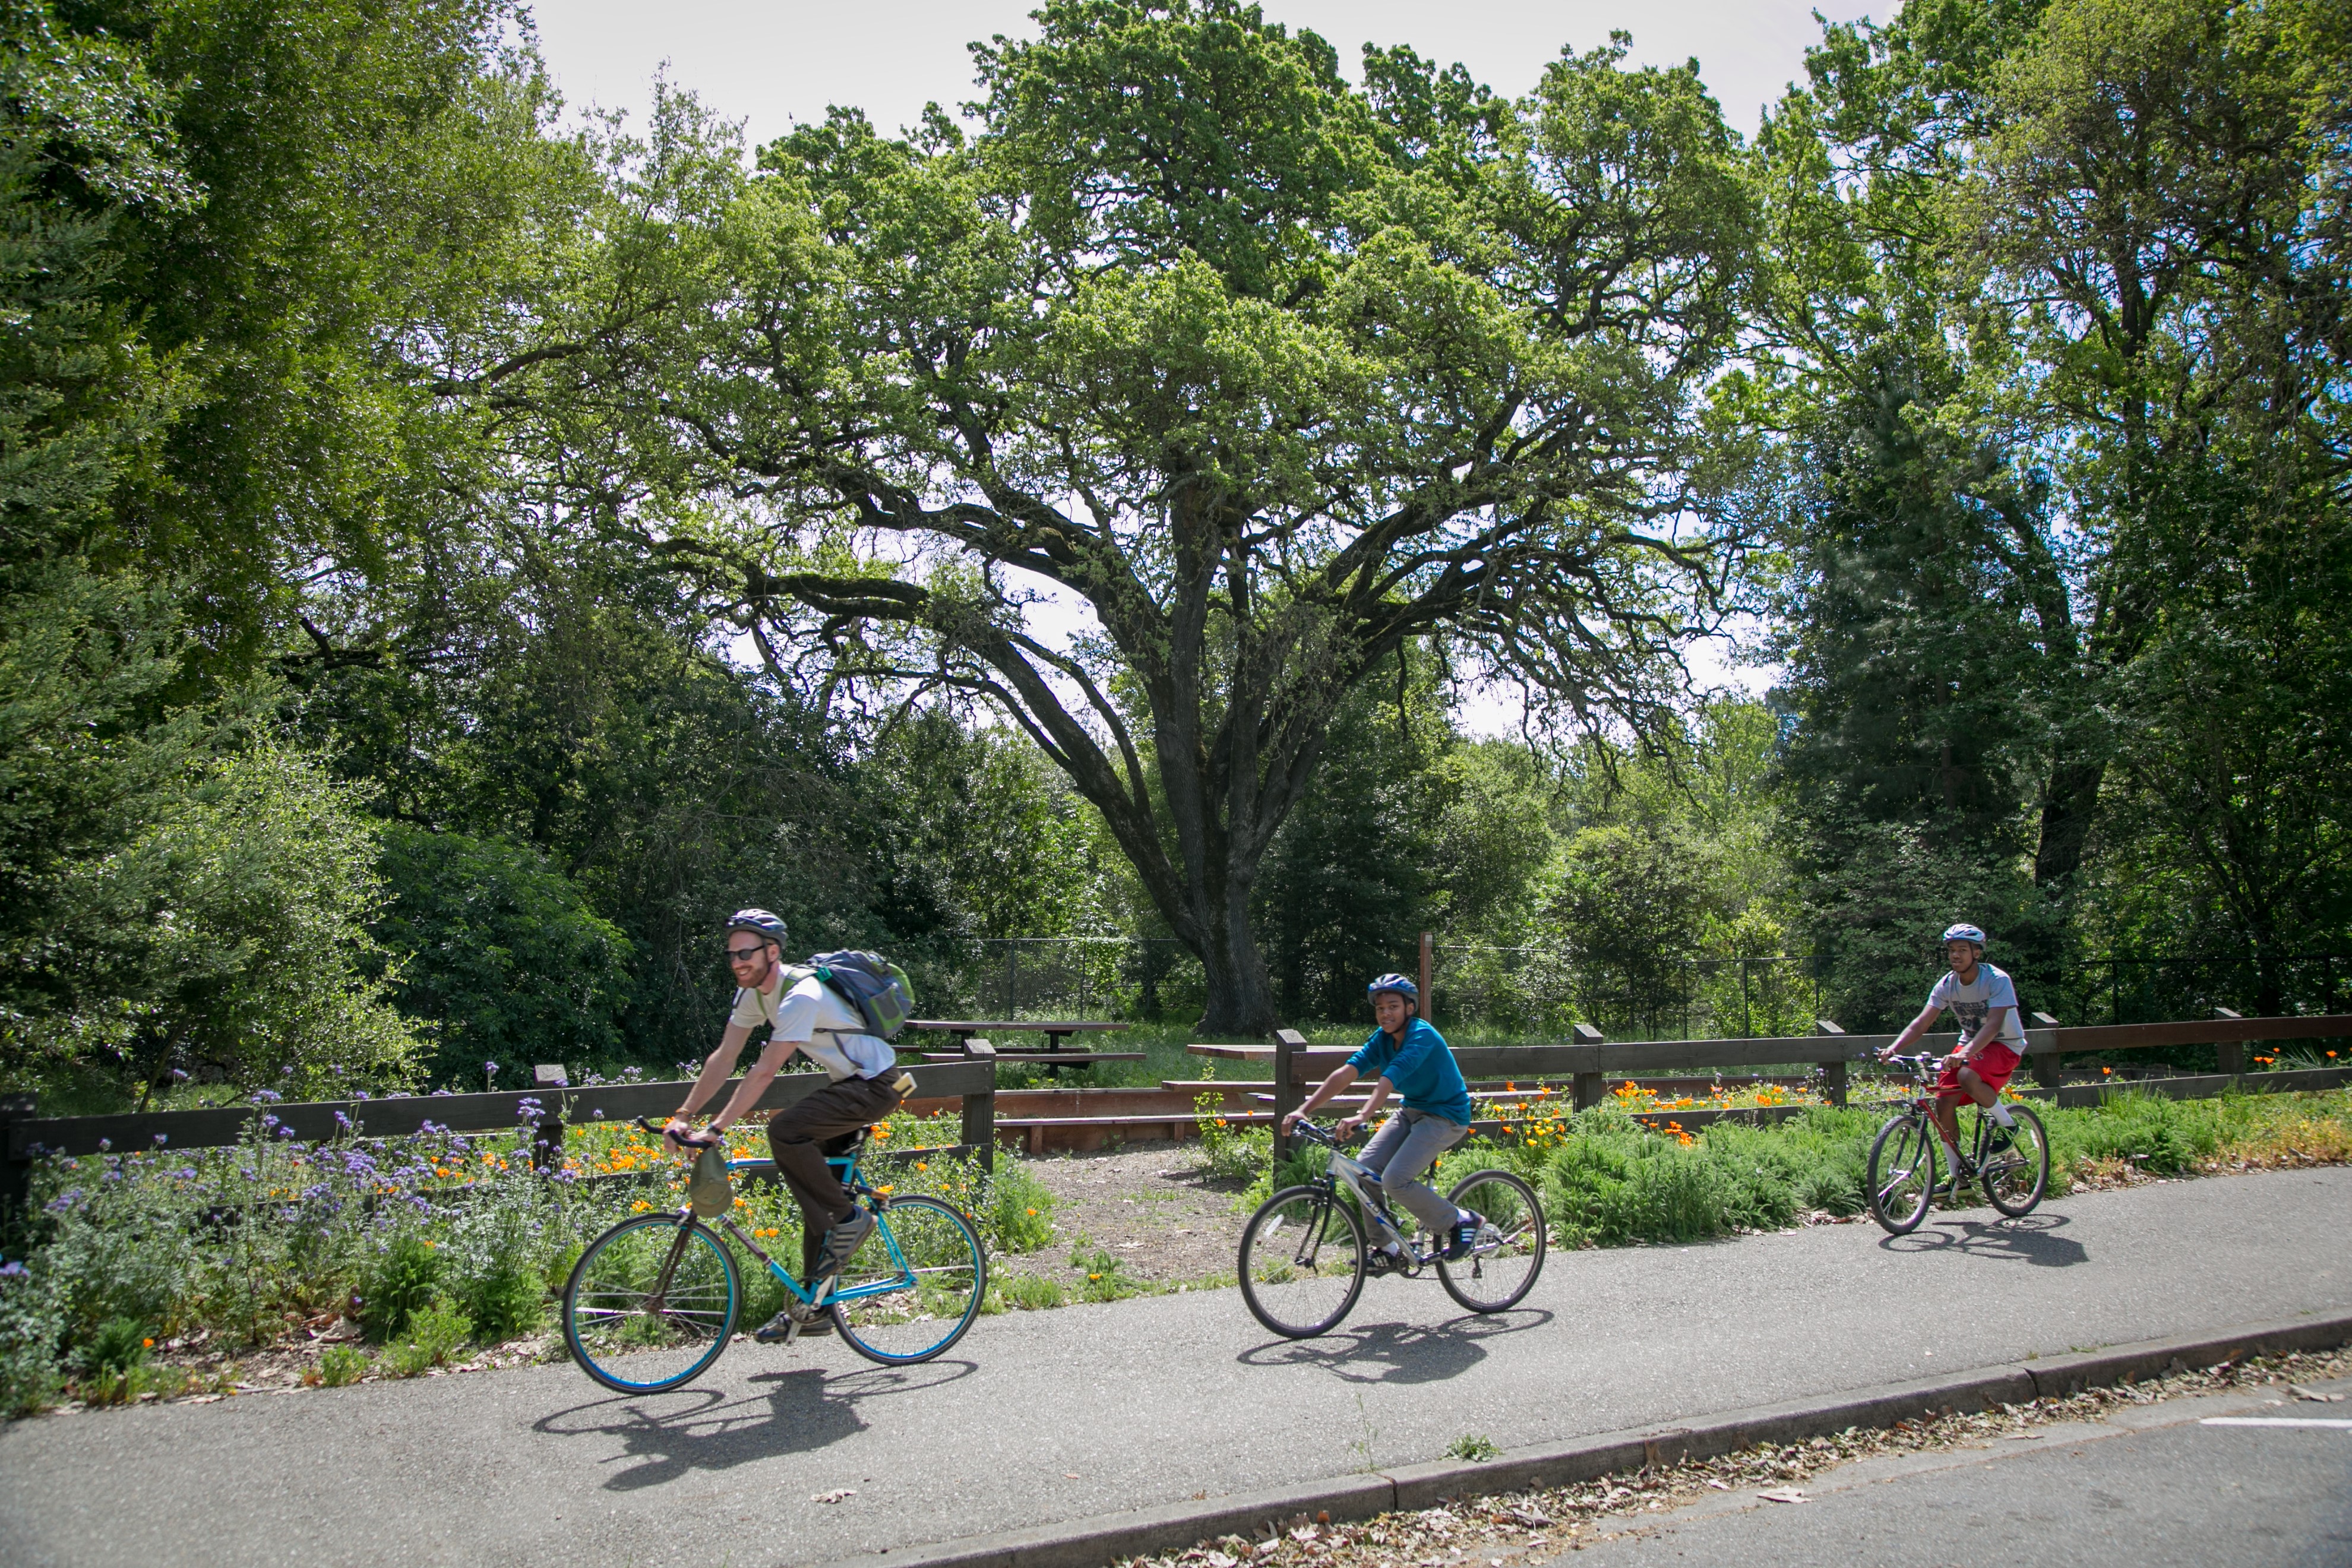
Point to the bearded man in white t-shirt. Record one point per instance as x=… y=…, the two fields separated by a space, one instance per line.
x=1984 y=1001
x=804 y=1015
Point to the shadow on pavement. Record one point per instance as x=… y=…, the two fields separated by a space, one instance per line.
x=670 y=1435
x=2034 y=1239
x=1398 y=1353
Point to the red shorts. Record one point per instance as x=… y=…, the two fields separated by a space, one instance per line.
x=1993 y=1064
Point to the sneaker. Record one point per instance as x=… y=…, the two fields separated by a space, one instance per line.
x=2000 y=1142
x=1464 y=1237
x=842 y=1242
x=813 y=1321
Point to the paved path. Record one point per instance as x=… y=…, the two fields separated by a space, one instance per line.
x=1090 y=1410
x=2148 y=1486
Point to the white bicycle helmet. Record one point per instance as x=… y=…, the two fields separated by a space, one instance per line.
x=1965 y=933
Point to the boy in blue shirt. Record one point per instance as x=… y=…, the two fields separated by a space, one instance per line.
x=1412 y=1060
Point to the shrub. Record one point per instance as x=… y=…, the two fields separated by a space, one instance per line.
x=119 y=1344
x=396 y=1283
x=1107 y=1278
x=1020 y=1213
x=436 y=1332
x=31 y=1328
x=1228 y=1154
x=341 y=1364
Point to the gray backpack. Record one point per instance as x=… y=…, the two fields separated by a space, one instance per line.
x=876 y=989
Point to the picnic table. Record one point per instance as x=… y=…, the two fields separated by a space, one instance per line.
x=1053 y=1057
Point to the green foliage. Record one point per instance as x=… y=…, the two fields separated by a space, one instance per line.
x=501 y=953
x=1472 y=1448
x=1228 y=1154
x=1032 y=1292
x=341 y=1366
x=396 y=1282
x=436 y=1333
x=115 y=1347
x=1020 y=1209
x=1107 y=1278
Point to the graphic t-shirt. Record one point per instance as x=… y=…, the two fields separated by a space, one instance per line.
x=1421 y=1065
x=1970 y=1003
x=812 y=1016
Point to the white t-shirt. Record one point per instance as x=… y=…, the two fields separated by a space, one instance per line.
x=1970 y=1003
x=811 y=1015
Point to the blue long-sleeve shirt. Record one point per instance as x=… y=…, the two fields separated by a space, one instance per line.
x=1420 y=1066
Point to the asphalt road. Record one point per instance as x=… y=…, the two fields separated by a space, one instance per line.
x=2150 y=1487
x=1083 y=1411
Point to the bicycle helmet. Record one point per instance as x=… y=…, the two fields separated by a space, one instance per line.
x=1398 y=983
x=1965 y=933
x=759 y=923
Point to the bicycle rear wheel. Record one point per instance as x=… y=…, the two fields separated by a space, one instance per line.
x=2015 y=1178
x=931 y=1252
x=1509 y=1253
x=1902 y=1173
x=650 y=1304
x=1302 y=1262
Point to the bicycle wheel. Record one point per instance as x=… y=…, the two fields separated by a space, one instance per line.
x=930 y=1251
x=650 y=1304
x=1302 y=1262
x=2015 y=1179
x=1902 y=1173
x=1509 y=1252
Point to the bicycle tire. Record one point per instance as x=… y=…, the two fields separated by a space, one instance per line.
x=1301 y=1293
x=1993 y=1172
x=607 y=1325
x=1497 y=1276
x=951 y=1270
x=1893 y=1176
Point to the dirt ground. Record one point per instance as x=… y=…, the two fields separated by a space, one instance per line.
x=1147 y=1207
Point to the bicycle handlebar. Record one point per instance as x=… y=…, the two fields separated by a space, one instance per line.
x=691 y=1141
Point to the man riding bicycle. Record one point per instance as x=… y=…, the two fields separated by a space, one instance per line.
x=1984 y=999
x=810 y=1017
x=1412 y=1060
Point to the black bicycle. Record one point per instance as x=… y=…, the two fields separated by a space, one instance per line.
x=2011 y=1164
x=1304 y=1256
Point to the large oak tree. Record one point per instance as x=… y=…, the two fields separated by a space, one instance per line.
x=1281 y=376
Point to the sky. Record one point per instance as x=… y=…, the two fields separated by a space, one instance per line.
x=782 y=63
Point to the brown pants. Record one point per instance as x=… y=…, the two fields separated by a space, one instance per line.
x=802 y=1134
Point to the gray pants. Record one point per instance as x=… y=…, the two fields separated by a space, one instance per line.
x=1407 y=1144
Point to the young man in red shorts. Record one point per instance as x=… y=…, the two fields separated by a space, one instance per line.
x=1984 y=999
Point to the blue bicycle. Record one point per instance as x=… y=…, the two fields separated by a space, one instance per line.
x=652 y=1301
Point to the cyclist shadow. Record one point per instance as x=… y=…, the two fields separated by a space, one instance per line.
x=1398 y=1353
x=2034 y=1239
x=665 y=1437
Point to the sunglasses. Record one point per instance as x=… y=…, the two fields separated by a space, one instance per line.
x=745 y=955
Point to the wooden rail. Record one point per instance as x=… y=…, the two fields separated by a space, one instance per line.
x=25 y=1135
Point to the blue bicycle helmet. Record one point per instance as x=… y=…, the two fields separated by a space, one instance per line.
x=1965 y=933
x=759 y=922
x=1398 y=983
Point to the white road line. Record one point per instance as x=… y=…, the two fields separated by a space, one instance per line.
x=2275 y=1421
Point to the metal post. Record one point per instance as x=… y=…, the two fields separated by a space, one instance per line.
x=1011 y=962
x=1747 y=1018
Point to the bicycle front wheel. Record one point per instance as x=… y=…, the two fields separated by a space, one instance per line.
x=1302 y=1262
x=930 y=1254
x=2015 y=1178
x=650 y=1304
x=1902 y=1173
x=1509 y=1252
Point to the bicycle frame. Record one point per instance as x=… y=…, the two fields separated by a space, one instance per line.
x=1342 y=1172
x=822 y=1294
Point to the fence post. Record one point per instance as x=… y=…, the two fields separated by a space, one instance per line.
x=1428 y=952
x=546 y=1136
x=16 y=1164
x=2232 y=1053
x=2046 y=1063
x=1287 y=1044
x=1587 y=1084
x=1833 y=1084
x=980 y=1110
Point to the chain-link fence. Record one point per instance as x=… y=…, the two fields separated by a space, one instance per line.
x=2138 y=990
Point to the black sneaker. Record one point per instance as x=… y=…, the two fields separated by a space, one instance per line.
x=842 y=1242
x=2001 y=1141
x=774 y=1330
x=1462 y=1238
